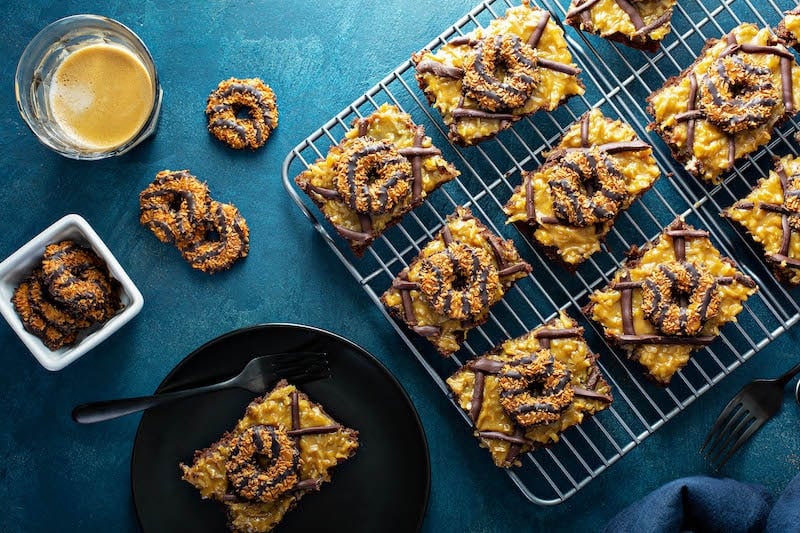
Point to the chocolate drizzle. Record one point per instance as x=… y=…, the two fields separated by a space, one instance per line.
x=692 y=112
x=782 y=256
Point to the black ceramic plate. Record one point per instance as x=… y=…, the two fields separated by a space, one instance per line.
x=384 y=487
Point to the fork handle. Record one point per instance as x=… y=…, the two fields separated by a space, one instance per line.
x=89 y=413
x=792 y=372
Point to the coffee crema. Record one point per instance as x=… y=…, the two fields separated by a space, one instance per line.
x=101 y=96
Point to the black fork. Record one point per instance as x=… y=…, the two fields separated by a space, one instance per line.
x=258 y=376
x=750 y=409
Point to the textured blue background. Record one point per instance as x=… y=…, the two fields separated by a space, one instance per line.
x=318 y=57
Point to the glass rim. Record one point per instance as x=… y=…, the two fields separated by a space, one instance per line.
x=36 y=50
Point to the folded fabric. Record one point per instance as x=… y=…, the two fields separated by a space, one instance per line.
x=702 y=503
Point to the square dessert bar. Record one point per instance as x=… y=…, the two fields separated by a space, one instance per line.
x=383 y=168
x=789 y=28
x=641 y=24
x=771 y=215
x=569 y=204
x=454 y=280
x=297 y=440
x=725 y=105
x=669 y=299
x=486 y=80
x=525 y=393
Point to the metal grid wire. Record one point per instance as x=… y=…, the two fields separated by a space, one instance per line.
x=617 y=79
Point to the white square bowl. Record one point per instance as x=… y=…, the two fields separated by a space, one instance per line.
x=21 y=263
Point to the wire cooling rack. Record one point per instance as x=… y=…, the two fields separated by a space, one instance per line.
x=617 y=79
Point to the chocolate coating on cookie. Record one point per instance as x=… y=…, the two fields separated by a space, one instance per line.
x=535 y=388
x=460 y=281
x=502 y=73
x=242 y=113
x=222 y=239
x=263 y=463
x=77 y=278
x=372 y=177
x=173 y=205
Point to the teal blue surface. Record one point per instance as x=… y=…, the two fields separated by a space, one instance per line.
x=318 y=57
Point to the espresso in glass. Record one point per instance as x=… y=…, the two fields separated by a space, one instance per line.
x=87 y=87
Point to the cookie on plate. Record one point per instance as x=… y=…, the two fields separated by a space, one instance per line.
x=284 y=446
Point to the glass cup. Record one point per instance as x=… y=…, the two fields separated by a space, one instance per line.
x=66 y=95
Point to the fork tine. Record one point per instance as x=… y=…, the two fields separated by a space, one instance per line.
x=723 y=420
x=723 y=417
x=732 y=431
x=741 y=440
x=304 y=373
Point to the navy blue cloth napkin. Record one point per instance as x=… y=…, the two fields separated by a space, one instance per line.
x=702 y=503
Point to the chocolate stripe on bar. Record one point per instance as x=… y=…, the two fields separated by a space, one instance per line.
x=418 y=151
x=536 y=36
x=701 y=340
x=790 y=261
x=585 y=131
x=622 y=285
x=295 y=410
x=692 y=107
x=530 y=201
x=632 y=12
x=587 y=393
x=546 y=219
x=657 y=23
x=314 y=430
x=439 y=69
x=353 y=235
x=558 y=333
x=484 y=364
x=580 y=8
x=516 y=447
x=512 y=269
x=626 y=308
x=615 y=147
x=405 y=285
x=786 y=230
x=447 y=236
x=786 y=83
x=685 y=232
x=502 y=436
x=329 y=194
x=427 y=331
x=559 y=67
x=463 y=112
x=476 y=402
x=462 y=40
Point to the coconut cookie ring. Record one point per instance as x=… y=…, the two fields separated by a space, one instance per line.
x=77 y=278
x=222 y=239
x=534 y=389
x=242 y=113
x=671 y=282
x=587 y=188
x=262 y=463
x=737 y=94
x=173 y=204
x=502 y=73
x=372 y=177
x=460 y=281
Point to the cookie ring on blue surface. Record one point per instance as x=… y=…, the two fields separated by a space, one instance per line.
x=242 y=113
